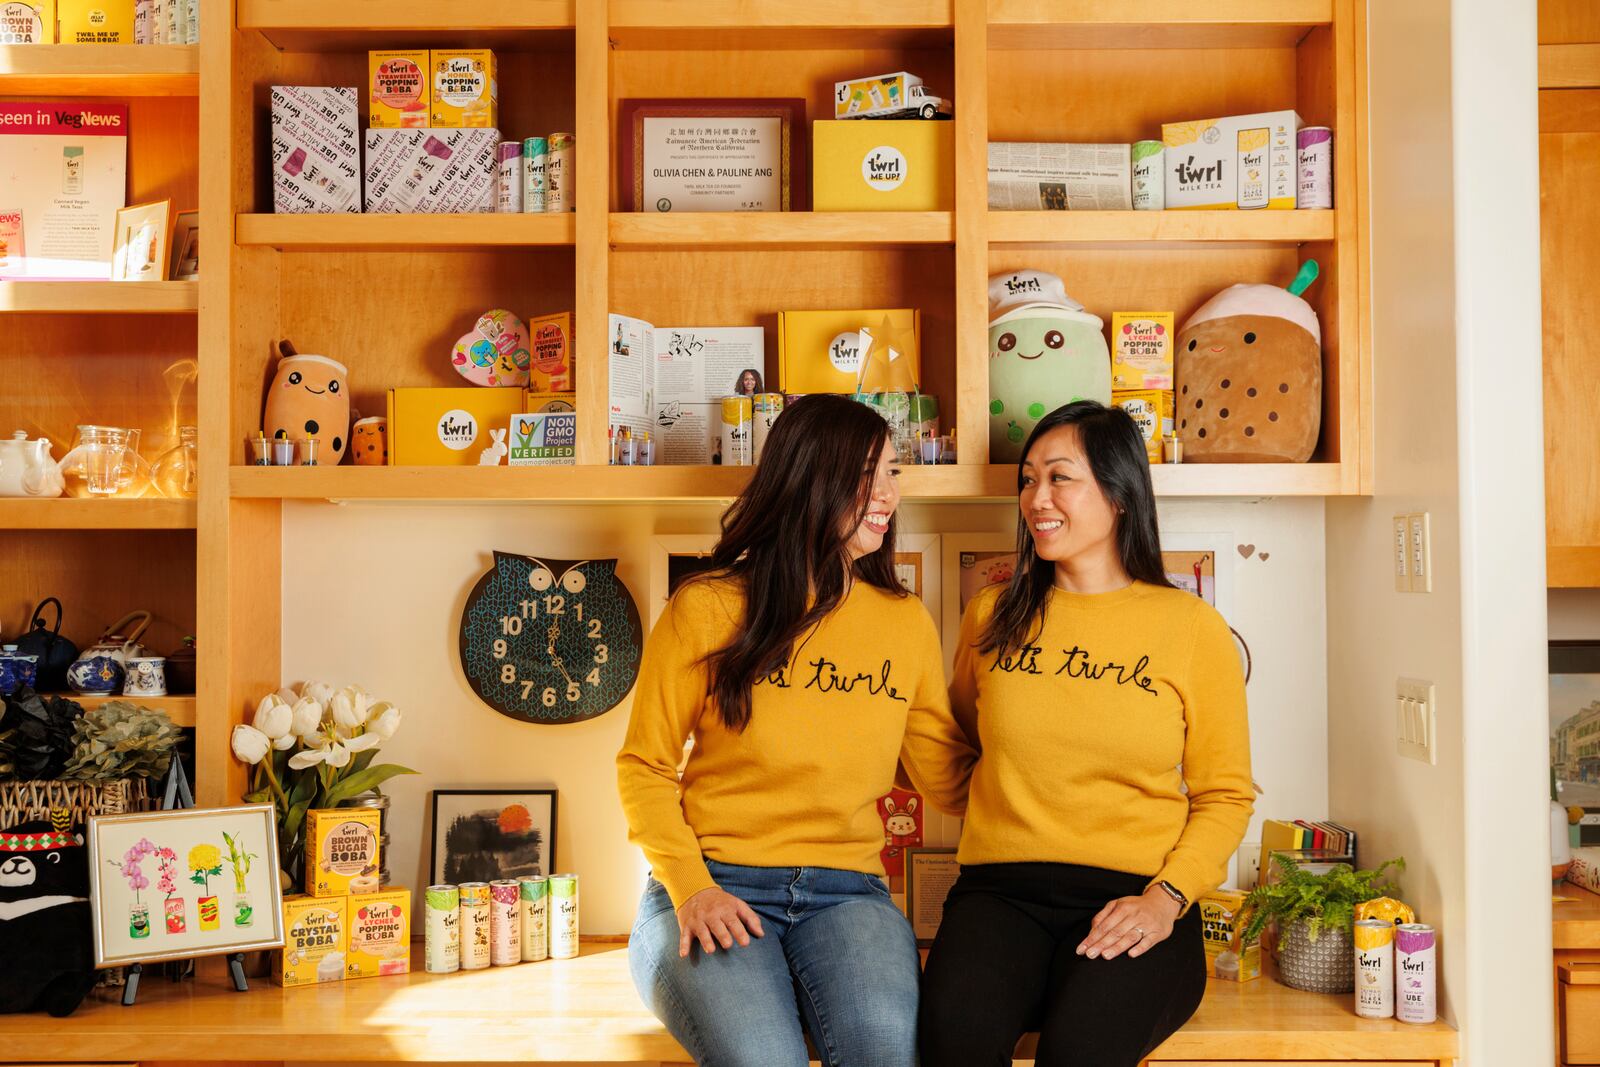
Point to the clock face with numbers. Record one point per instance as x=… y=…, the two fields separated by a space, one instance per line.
x=550 y=640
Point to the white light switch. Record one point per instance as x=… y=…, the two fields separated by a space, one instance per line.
x=1401 y=550
x=1415 y=720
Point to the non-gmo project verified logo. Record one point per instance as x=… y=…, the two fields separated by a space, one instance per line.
x=884 y=168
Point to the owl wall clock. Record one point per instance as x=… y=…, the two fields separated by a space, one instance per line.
x=550 y=640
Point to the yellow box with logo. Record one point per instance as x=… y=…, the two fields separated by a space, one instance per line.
x=820 y=351
x=342 y=851
x=399 y=90
x=882 y=166
x=1222 y=921
x=1152 y=413
x=539 y=403
x=315 y=940
x=465 y=89
x=28 y=21
x=380 y=934
x=448 y=427
x=96 y=21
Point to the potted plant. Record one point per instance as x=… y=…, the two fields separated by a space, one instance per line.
x=313 y=748
x=1315 y=914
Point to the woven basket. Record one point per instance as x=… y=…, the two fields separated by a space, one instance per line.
x=21 y=801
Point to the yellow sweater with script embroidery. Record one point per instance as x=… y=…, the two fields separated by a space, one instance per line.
x=799 y=787
x=1089 y=735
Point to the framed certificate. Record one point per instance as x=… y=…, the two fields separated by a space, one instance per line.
x=930 y=872
x=713 y=154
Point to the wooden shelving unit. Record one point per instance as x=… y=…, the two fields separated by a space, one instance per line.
x=80 y=513
x=180 y=709
x=100 y=298
x=99 y=70
x=1112 y=228
x=780 y=231
x=352 y=233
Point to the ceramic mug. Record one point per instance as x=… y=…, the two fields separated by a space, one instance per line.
x=16 y=670
x=147 y=677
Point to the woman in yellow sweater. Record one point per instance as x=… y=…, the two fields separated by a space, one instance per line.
x=1113 y=782
x=802 y=670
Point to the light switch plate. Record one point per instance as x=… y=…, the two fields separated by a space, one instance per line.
x=1415 y=720
x=1400 y=549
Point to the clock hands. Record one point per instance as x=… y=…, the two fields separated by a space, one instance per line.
x=552 y=635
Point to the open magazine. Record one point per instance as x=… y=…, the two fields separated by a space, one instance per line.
x=670 y=380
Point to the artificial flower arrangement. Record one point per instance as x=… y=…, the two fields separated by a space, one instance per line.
x=313 y=748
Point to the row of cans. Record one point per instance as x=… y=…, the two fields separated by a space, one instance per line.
x=1396 y=971
x=496 y=924
x=1313 y=173
x=746 y=421
x=536 y=175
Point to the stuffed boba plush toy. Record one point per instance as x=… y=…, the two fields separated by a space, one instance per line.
x=46 y=938
x=1045 y=350
x=1249 y=376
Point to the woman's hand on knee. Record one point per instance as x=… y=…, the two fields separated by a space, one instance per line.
x=1131 y=924
x=714 y=916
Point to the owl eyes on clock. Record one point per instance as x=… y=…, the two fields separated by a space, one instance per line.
x=540 y=579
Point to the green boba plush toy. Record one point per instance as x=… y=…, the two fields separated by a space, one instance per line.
x=1045 y=350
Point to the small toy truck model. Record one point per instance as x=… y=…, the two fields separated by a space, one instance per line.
x=887 y=96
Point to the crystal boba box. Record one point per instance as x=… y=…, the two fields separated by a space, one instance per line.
x=380 y=934
x=342 y=851
x=1222 y=926
x=315 y=941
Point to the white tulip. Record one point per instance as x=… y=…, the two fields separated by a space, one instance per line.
x=321 y=692
x=308 y=757
x=306 y=718
x=362 y=742
x=385 y=720
x=249 y=744
x=288 y=696
x=338 y=754
x=286 y=742
x=273 y=717
x=349 y=706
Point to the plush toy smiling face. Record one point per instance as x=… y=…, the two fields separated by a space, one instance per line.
x=309 y=397
x=1039 y=360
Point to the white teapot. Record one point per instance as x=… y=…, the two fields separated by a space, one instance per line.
x=26 y=468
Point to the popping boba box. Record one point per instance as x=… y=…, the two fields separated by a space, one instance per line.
x=1141 y=349
x=466 y=89
x=380 y=934
x=398 y=90
x=550 y=337
x=1222 y=923
x=341 y=851
x=315 y=940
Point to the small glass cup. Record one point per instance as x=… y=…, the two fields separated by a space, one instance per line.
x=932 y=449
x=308 y=450
x=947 y=449
x=260 y=450
x=282 y=452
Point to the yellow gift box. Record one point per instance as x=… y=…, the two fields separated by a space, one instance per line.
x=96 y=21
x=342 y=851
x=819 y=351
x=380 y=934
x=1152 y=413
x=315 y=938
x=466 y=88
x=448 y=427
x=28 y=21
x=883 y=166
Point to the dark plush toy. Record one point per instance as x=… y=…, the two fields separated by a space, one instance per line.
x=45 y=934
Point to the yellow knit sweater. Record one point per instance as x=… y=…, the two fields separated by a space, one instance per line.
x=799 y=786
x=1090 y=734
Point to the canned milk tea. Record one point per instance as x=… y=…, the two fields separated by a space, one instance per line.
x=563 y=916
x=1314 y=185
x=1149 y=180
x=1414 y=974
x=558 y=174
x=442 y=929
x=505 y=922
x=474 y=926
x=510 y=177
x=1374 y=968
x=737 y=413
x=765 y=409
x=535 y=900
x=535 y=153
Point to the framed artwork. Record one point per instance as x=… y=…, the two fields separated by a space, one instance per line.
x=920 y=570
x=185 y=264
x=139 y=243
x=674 y=558
x=170 y=885
x=930 y=872
x=480 y=835
x=971 y=563
x=1202 y=564
x=1575 y=730
x=738 y=154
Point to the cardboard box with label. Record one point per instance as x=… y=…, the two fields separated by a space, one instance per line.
x=96 y=21
x=1141 y=349
x=820 y=351
x=316 y=150
x=380 y=933
x=27 y=21
x=63 y=177
x=342 y=851
x=431 y=171
x=542 y=402
x=315 y=940
x=1152 y=413
x=1222 y=923
x=883 y=166
x=550 y=338
x=399 y=90
x=447 y=427
x=1239 y=162
x=465 y=90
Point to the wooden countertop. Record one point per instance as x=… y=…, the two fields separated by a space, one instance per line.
x=581 y=1010
x=1577 y=921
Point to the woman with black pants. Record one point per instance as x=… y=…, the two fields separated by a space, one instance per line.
x=1113 y=782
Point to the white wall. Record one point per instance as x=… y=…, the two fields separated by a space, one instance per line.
x=1574 y=614
x=385 y=616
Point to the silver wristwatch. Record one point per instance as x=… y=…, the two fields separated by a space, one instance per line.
x=1172 y=891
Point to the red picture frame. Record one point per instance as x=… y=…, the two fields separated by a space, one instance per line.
x=795 y=183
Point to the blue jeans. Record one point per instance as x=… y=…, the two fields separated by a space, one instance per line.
x=837 y=954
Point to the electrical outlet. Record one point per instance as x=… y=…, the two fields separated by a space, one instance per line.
x=1401 y=550
x=1421 y=554
x=1249 y=864
x=1415 y=720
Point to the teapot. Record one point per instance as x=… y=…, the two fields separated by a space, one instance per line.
x=55 y=652
x=103 y=666
x=26 y=468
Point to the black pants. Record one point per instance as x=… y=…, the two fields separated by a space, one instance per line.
x=1005 y=962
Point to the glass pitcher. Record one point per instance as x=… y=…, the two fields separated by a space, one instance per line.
x=105 y=461
x=174 y=472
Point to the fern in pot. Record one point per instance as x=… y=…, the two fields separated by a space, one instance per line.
x=1315 y=915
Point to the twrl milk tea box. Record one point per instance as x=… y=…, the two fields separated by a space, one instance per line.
x=432 y=171
x=316 y=150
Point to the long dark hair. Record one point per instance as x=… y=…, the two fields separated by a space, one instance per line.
x=784 y=540
x=1116 y=453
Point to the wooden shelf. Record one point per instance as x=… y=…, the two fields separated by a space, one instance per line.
x=181 y=710
x=786 y=230
x=96 y=297
x=1124 y=24
x=1111 y=228
x=955 y=483
x=100 y=70
x=348 y=232
x=738 y=25
x=80 y=513
x=318 y=26
x=1569 y=66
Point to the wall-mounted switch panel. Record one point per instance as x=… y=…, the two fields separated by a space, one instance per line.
x=1415 y=720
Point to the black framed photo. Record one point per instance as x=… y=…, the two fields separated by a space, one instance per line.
x=480 y=835
x=1575 y=729
x=930 y=872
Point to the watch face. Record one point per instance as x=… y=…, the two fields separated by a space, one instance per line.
x=550 y=641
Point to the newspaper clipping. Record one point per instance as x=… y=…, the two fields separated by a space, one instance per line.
x=1034 y=176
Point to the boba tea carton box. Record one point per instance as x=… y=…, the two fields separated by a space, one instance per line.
x=820 y=351
x=399 y=90
x=1152 y=413
x=1141 y=349
x=431 y=171
x=466 y=90
x=380 y=934
x=448 y=427
x=1242 y=161
x=316 y=150
x=1222 y=923
x=315 y=940
x=27 y=21
x=550 y=337
x=341 y=851
x=96 y=21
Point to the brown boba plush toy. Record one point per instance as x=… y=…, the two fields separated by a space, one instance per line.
x=1249 y=376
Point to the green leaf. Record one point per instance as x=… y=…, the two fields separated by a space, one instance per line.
x=361 y=781
x=260 y=796
x=360 y=761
